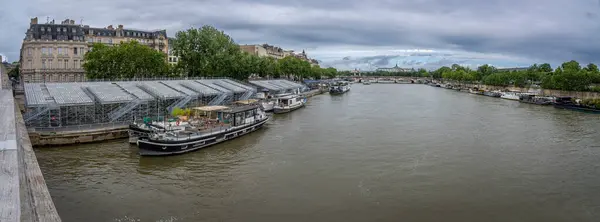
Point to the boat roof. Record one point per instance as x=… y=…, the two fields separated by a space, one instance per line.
x=246 y=102
x=241 y=109
x=210 y=108
x=287 y=97
x=283 y=94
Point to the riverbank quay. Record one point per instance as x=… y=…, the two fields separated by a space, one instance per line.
x=537 y=90
x=78 y=134
x=24 y=195
x=313 y=92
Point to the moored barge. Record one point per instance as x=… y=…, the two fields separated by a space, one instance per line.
x=230 y=123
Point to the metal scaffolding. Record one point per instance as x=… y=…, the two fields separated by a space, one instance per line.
x=63 y=105
x=278 y=86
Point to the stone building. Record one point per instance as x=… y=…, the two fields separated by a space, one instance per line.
x=303 y=56
x=55 y=52
x=275 y=52
x=395 y=69
x=154 y=39
x=172 y=59
x=266 y=50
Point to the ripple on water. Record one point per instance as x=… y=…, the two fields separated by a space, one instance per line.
x=379 y=152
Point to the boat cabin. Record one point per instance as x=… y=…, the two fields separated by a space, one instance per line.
x=288 y=100
x=245 y=102
x=241 y=115
x=564 y=100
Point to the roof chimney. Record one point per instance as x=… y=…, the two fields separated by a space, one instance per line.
x=34 y=20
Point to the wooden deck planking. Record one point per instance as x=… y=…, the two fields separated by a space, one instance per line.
x=36 y=202
x=24 y=195
x=9 y=163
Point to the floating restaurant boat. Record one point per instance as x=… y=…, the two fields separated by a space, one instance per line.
x=339 y=87
x=476 y=90
x=510 y=95
x=143 y=129
x=568 y=103
x=538 y=100
x=492 y=93
x=211 y=125
x=286 y=104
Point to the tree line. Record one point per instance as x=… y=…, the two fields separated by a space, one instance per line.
x=202 y=52
x=569 y=76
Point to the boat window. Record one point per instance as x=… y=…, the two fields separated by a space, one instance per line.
x=239 y=119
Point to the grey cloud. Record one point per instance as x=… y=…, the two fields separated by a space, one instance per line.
x=519 y=28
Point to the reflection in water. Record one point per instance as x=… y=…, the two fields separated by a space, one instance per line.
x=377 y=153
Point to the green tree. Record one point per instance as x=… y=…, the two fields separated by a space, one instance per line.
x=484 y=70
x=208 y=51
x=545 y=68
x=14 y=73
x=423 y=72
x=439 y=72
x=125 y=60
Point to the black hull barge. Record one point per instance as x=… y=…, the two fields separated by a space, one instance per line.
x=232 y=123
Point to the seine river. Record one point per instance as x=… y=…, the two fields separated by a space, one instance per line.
x=395 y=152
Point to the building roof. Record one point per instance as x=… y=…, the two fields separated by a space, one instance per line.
x=276 y=84
x=87 y=93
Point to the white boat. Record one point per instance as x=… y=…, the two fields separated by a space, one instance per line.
x=267 y=105
x=510 y=95
x=339 y=87
x=286 y=104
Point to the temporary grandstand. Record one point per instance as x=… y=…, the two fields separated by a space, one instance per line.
x=84 y=103
x=278 y=86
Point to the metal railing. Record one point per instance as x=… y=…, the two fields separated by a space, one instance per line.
x=218 y=100
x=122 y=111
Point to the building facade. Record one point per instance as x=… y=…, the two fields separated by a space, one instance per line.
x=55 y=52
x=154 y=39
x=266 y=50
x=172 y=59
x=395 y=69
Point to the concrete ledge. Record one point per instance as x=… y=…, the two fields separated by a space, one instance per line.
x=76 y=137
x=36 y=202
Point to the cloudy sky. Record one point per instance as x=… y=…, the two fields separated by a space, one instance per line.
x=350 y=34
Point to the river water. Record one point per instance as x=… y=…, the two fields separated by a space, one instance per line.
x=378 y=153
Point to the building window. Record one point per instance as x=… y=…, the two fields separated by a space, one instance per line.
x=44 y=51
x=28 y=51
x=60 y=63
x=81 y=51
x=60 y=51
x=49 y=63
x=49 y=51
x=43 y=63
x=43 y=29
x=75 y=51
x=66 y=64
x=110 y=41
x=91 y=40
x=99 y=40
